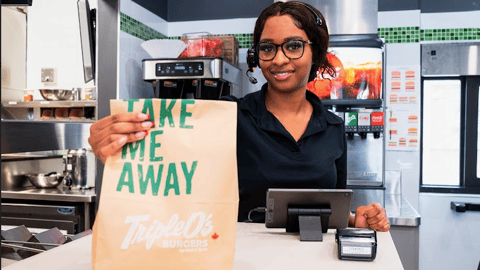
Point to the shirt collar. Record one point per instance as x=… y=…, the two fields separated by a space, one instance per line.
x=255 y=104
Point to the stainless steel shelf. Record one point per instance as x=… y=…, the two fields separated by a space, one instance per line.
x=354 y=103
x=50 y=104
x=51 y=194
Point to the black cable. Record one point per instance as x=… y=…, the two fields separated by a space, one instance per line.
x=258 y=209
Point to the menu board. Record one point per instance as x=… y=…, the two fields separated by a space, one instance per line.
x=402 y=116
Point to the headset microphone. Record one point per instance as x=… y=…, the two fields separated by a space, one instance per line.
x=252 y=61
x=250 y=78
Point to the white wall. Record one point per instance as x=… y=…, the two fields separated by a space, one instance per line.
x=53 y=41
x=14 y=36
x=448 y=240
x=403 y=55
x=131 y=54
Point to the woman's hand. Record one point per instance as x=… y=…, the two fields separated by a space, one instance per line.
x=372 y=216
x=108 y=135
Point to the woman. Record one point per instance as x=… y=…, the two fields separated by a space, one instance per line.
x=286 y=138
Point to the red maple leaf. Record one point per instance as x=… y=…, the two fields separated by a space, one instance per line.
x=215 y=236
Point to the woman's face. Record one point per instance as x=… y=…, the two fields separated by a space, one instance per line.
x=281 y=73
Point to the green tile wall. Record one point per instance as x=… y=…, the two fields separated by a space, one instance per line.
x=413 y=34
x=450 y=34
x=409 y=34
x=138 y=29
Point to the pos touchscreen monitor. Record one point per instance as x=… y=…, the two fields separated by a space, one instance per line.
x=308 y=211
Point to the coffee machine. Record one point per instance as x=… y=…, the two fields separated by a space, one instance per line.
x=193 y=78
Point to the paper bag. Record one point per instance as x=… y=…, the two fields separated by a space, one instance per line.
x=170 y=201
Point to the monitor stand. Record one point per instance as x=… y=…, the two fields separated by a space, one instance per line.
x=310 y=221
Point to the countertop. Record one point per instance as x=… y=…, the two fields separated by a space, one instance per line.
x=256 y=248
x=60 y=193
x=400 y=212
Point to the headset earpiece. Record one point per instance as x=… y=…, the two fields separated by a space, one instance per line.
x=317 y=18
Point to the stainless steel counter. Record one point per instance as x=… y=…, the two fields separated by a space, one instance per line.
x=51 y=194
x=400 y=212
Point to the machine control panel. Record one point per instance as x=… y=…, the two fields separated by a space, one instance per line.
x=179 y=69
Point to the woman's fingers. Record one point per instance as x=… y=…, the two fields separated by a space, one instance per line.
x=108 y=135
x=111 y=148
x=118 y=118
x=118 y=124
x=377 y=218
x=114 y=143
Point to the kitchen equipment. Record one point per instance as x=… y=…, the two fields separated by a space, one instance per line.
x=28 y=95
x=90 y=93
x=20 y=243
x=200 y=78
x=57 y=94
x=202 y=44
x=67 y=209
x=77 y=93
x=87 y=22
x=164 y=48
x=76 y=168
x=15 y=167
x=359 y=97
x=49 y=180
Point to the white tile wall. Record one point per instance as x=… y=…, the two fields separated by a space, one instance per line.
x=228 y=26
x=398 y=18
x=131 y=84
x=445 y=20
x=139 y=13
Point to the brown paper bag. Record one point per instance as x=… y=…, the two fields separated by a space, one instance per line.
x=170 y=201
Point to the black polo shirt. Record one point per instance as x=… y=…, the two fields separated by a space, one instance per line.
x=269 y=157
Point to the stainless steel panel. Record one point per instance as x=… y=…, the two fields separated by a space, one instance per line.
x=39 y=210
x=214 y=68
x=393 y=182
x=14 y=170
x=30 y=136
x=63 y=194
x=400 y=212
x=50 y=104
x=452 y=59
x=365 y=160
x=347 y=17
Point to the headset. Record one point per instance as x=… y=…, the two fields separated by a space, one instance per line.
x=252 y=55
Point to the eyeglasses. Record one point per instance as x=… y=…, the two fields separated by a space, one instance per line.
x=292 y=49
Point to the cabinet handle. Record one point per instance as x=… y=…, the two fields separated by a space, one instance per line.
x=463 y=207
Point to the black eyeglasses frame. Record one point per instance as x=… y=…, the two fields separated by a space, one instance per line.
x=281 y=46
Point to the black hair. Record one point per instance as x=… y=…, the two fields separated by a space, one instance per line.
x=305 y=20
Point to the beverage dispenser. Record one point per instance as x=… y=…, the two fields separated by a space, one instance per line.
x=356 y=94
